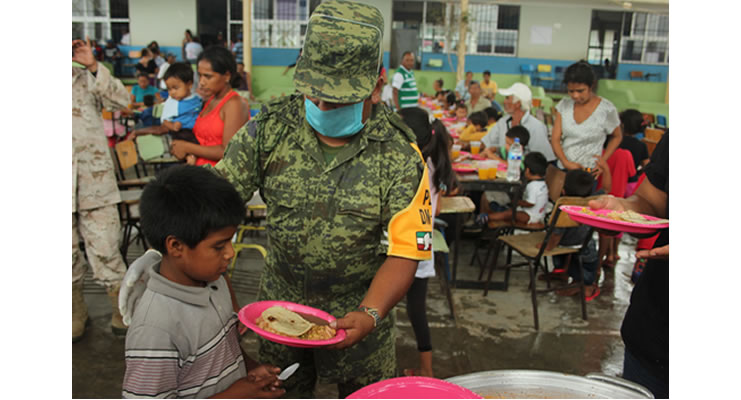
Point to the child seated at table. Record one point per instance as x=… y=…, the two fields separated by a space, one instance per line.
x=180 y=110
x=183 y=339
x=449 y=104
x=501 y=153
x=461 y=111
x=578 y=183
x=440 y=97
x=492 y=116
x=531 y=208
x=475 y=128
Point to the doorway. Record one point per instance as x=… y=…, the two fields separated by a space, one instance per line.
x=604 y=42
x=211 y=18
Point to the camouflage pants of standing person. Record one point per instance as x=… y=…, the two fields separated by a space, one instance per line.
x=100 y=229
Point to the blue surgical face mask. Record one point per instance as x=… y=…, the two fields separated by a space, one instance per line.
x=337 y=123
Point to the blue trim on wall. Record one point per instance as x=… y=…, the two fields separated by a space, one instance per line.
x=511 y=65
x=655 y=73
x=475 y=63
x=271 y=56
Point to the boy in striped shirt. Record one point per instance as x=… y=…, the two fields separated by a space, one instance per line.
x=183 y=339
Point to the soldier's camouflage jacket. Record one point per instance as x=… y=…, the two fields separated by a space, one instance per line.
x=93 y=176
x=330 y=227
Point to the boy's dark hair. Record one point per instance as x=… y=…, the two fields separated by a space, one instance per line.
x=487 y=72
x=580 y=72
x=148 y=100
x=578 y=183
x=450 y=98
x=536 y=162
x=140 y=74
x=492 y=113
x=633 y=122
x=189 y=203
x=180 y=70
x=520 y=132
x=479 y=118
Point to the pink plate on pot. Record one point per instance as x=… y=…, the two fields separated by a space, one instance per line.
x=249 y=314
x=602 y=222
x=413 y=387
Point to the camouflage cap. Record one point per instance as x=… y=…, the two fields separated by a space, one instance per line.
x=342 y=52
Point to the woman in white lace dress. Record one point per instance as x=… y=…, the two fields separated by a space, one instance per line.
x=583 y=122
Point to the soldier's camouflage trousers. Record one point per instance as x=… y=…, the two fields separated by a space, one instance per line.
x=100 y=229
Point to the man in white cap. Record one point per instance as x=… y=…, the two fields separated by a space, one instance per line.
x=517 y=106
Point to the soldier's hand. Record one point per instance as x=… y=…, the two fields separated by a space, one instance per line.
x=356 y=324
x=82 y=53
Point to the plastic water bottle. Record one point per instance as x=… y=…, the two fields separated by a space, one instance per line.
x=514 y=159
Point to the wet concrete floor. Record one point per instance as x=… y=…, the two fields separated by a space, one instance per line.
x=489 y=333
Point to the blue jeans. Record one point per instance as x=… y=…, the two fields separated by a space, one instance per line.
x=635 y=372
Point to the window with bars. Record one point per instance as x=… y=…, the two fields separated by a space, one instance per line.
x=645 y=38
x=275 y=23
x=100 y=20
x=492 y=28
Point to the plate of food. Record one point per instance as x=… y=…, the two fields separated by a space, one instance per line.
x=413 y=387
x=291 y=324
x=464 y=167
x=474 y=156
x=621 y=221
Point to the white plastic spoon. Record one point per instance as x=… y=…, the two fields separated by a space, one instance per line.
x=288 y=371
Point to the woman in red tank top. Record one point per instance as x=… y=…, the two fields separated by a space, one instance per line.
x=224 y=113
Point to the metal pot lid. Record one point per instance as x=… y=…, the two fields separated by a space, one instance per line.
x=533 y=384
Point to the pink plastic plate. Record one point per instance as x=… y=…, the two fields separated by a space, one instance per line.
x=249 y=314
x=463 y=168
x=414 y=387
x=611 y=224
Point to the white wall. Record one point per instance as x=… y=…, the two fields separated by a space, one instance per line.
x=162 y=20
x=569 y=26
x=384 y=6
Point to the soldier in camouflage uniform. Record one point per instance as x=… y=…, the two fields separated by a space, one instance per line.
x=348 y=208
x=94 y=190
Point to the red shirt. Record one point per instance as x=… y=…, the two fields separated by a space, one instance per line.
x=209 y=129
x=621 y=168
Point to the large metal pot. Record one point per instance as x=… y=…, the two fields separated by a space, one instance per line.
x=533 y=384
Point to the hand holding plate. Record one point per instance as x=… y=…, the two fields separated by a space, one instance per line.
x=357 y=324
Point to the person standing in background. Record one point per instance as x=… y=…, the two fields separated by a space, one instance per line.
x=404 y=85
x=95 y=194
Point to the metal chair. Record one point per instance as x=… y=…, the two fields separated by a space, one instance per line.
x=252 y=224
x=532 y=246
x=126 y=156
